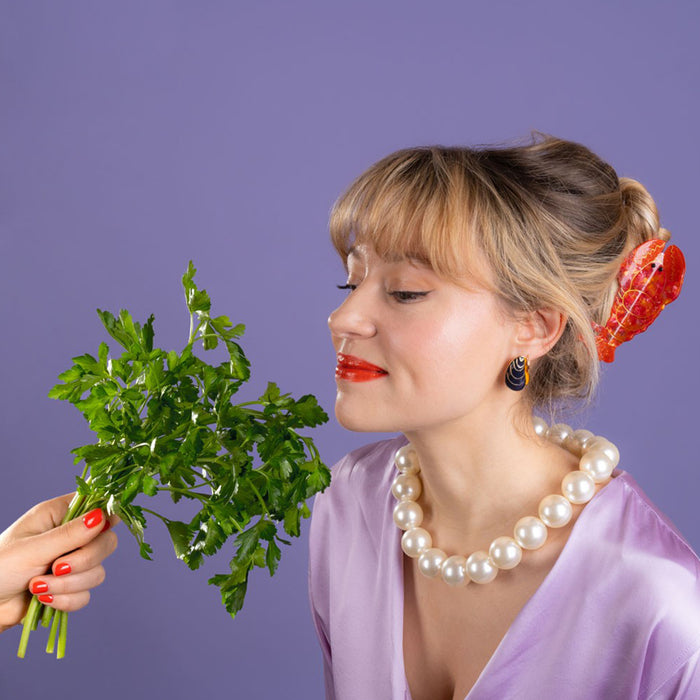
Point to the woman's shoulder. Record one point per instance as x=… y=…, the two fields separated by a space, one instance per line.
x=658 y=591
x=652 y=565
x=647 y=528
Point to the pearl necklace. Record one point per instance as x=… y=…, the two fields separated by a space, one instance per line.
x=598 y=458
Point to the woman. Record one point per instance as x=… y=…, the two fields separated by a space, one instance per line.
x=483 y=285
x=59 y=563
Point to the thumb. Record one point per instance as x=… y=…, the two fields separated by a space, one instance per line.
x=48 y=546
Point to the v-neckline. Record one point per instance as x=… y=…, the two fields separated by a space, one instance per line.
x=522 y=614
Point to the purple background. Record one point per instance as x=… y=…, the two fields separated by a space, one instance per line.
x=135 y=136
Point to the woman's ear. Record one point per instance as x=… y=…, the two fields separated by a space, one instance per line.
x=539 y=331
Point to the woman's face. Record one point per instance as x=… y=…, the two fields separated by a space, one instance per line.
x=442 y=350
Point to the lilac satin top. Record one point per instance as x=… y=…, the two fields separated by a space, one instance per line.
x=634 y=631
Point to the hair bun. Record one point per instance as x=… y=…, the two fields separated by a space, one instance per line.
x=641 y=212
x=664 y=234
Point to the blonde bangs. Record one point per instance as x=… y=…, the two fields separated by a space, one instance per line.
x=413 y=205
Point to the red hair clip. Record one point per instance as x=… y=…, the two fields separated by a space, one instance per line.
x=650 y=277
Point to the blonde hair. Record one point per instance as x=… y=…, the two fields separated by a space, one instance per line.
x=550 y=219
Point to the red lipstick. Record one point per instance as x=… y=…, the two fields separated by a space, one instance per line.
x=355 y=369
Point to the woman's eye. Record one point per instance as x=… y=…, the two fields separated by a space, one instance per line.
x=402 y=296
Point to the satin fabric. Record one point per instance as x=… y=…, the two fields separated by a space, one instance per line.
x=618 y=616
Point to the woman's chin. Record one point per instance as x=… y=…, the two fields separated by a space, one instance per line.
x=360 y=421
x=351 y=422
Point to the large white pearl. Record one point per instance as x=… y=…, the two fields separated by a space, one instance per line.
x=408 y=514
x=597 y=465
x=555 y=510
x=587 y=439
x=575 y=442
x=540 y=426
x=600 y=444
x=406 y=460
x=505 y=552
x=559 y=432
x=454 y=570
x=406 y=487
x=430 y=562
x=530 y=532
x=578 y=487
x=480 y=568
x=415 y=541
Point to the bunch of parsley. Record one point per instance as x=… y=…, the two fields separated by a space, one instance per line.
x=165 y=422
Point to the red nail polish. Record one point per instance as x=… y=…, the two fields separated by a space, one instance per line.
x=46 y=598
x=40 y=587
x=107 y=525
x=93 y=518
x=62 y=569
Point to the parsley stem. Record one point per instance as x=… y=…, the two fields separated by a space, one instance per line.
x=152 y=512
x=185 y=492
x=205 y=462
x=252 y=411
x=312 y=448
x=28 y=624
x=74 y=508
x=260 y=498
x=261 y=473
x=62 y=633
x=47 y=616
x=166 y=520
x=51 y=643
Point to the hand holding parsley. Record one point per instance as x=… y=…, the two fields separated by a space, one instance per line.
x=33 y=556
x=165 y=422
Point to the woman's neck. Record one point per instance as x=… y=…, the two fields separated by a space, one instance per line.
x=480 y=475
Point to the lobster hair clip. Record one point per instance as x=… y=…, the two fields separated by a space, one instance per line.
x=649 y=278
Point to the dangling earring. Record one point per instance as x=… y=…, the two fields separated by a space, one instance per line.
x=517 y=374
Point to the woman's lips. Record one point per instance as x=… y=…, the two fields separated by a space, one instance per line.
x=355 y=369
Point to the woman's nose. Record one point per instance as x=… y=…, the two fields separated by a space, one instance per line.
x=353 y=318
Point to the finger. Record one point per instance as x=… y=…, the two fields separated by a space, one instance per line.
x=75 y=583
x=67 y=602
x=42 y=517
x=74 y=534
x=87 y=557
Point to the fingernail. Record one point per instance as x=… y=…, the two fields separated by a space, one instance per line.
x=93 y=518
x=46 y=598
x=107 y=525
x=40 y=587
x=62 y=569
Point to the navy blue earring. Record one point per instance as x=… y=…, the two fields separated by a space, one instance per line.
x=517 y=374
